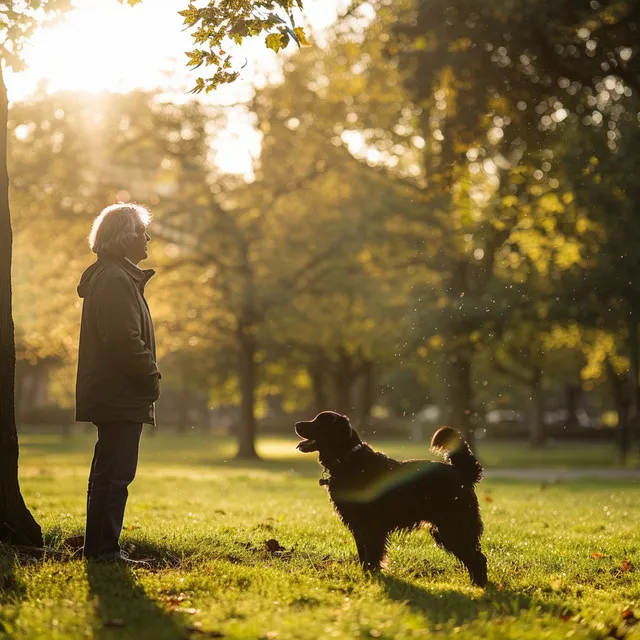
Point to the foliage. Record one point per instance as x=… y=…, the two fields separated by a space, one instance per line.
x=433 y=195
x=19 y=19
x=219 y=25
x=81 y=147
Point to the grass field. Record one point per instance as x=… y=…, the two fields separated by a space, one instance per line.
x=561 y=557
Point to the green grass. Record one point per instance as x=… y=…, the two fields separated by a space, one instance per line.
x=556 y=554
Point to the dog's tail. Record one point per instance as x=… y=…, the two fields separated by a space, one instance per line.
x=449 y=443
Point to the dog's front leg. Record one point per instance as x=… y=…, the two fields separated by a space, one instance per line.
x=371 y=549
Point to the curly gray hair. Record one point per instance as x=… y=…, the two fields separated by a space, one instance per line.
x=114 y=228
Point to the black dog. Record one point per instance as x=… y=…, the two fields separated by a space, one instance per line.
x=375 y=495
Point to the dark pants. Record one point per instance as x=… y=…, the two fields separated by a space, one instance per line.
x=113 y=468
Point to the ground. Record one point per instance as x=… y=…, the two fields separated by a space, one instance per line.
x=253 y=550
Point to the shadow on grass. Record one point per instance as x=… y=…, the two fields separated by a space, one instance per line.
x=12 y=590
x=450 y=605
x=11 y=587
x=123 y=609
x=302 y=467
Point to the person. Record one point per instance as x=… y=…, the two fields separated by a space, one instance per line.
x=118 y=378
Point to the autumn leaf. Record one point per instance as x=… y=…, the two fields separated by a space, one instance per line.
x=273 y=546
x=196 y=58
x=74 y=542
x=301 y=37
x=626 y=565
x=274 y=41
x=173 y=600
x=629 y=616
x=597 y=555
x=488 y=498
x=191 y=15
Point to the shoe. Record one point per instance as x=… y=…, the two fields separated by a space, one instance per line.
x=121 y=558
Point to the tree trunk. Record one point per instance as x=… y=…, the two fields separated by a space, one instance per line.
x=537 y=435
x=634 y=408
x=203 y=413
x=621 y=394
x=342 y=382
x=573 y=393
x=317 y=372
x=17 y=525
x=461 y=398
x=247 y=371
x=183 y=406
x=365 y=395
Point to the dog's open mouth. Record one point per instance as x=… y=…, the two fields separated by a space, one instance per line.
x=307 y=446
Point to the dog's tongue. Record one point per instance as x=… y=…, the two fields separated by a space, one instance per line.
x=306 y=446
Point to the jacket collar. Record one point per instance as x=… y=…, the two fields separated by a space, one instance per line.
x=140 y=276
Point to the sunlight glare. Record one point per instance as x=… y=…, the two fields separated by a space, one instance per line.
x=104 y=46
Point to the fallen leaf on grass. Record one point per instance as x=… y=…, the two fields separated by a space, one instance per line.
x=74 y=542
x=188 y=610
x=629 y=617
x=488 y=498
x=131 y=527
x=597 y=555
x=273 y=546
x=173 y=599
x=626 y=565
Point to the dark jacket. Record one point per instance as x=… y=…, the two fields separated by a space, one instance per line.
x=118 y=379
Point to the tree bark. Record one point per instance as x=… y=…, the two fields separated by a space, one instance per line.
x=246 y=433
x=573 y=393
x=183 y=401
x=365 y=397
x=621 y=394
x=461 y=399
x=342 y=378
x=537 y=435
x=17 y=525
x=317 y=372
x=634 y=380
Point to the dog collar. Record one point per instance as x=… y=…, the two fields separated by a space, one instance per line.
x=324 y=481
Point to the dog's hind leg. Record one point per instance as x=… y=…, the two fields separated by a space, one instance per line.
x=372 y=547
x=465 y=546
